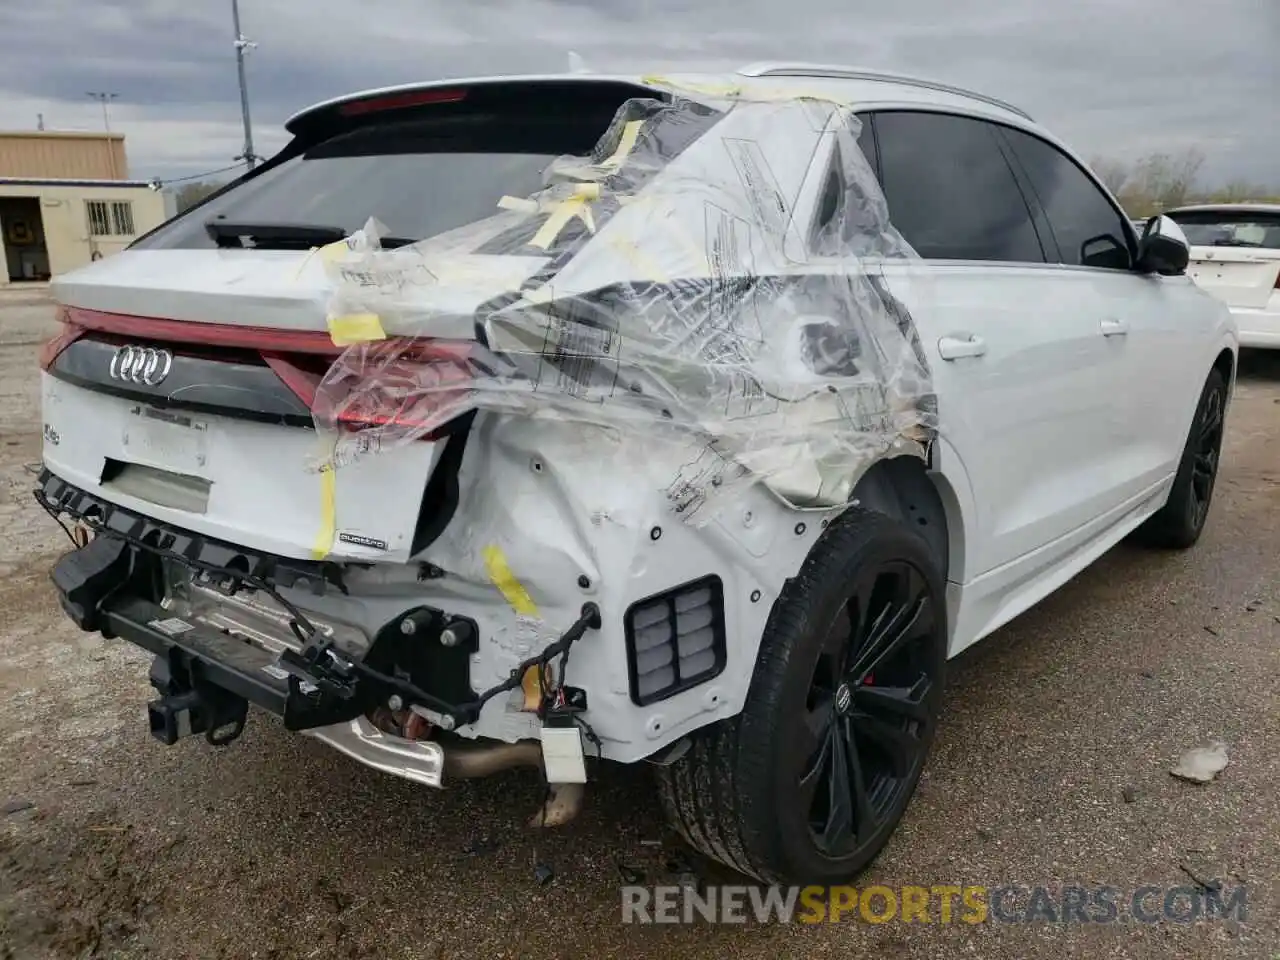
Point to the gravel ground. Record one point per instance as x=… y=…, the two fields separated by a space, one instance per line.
x=1051 y=768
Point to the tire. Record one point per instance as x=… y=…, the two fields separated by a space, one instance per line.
x=736 y=795
x=1178 y=524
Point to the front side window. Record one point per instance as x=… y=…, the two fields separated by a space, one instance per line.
x=951 y=193
x=1089 y=229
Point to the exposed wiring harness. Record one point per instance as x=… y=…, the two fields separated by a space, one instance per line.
x=321 y=664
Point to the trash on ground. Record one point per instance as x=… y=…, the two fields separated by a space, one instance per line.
x=1202 y=764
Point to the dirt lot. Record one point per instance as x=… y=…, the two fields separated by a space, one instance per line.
x=1051 y=768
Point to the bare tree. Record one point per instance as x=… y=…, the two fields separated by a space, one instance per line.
x=1237 y=191
x=193 y=193
x=1159 y=181
x=1113 y=173
x=1166 y=180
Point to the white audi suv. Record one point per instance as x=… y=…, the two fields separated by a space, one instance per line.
x=693 y=420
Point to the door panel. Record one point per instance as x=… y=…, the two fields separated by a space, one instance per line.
x=1026 y=386
x=1160 y=349
x=1025 y=375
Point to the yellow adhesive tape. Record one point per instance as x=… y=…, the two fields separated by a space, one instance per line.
x=639 y=259
x=495 y=562
x=332 y=252
x=577 y=205
x=748 y=94
x=328 y=505
x=626 y=143
x=355 y=328
x=726 y=91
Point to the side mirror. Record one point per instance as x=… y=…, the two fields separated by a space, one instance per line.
x=1163 y=248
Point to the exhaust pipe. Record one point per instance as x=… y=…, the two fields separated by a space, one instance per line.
x=430 y=762
x=468 y=762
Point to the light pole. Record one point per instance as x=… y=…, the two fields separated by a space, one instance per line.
x=103 y=98
x=242 y=46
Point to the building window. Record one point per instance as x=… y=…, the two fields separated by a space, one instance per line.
x=110 y=218
x=122 y=217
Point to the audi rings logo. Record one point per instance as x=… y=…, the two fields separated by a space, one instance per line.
x=146 y=365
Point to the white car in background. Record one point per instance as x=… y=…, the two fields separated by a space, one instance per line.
x=1235 y=255
x=762 y=394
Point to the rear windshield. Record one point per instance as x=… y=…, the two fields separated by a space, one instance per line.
x=419 y=177
x=1206 y=228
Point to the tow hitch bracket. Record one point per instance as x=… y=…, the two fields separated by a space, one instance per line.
x=193 y=707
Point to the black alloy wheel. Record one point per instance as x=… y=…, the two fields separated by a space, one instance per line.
x=809 y=781
x=1207 y=450
x=1179 y=523
x=870 y=709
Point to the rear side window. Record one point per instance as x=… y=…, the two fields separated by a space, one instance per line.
x=950 y=190
x=1230 y=228
x=1089 y=230
x=420 y=172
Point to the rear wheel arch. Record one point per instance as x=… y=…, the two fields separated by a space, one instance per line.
x=904 y=489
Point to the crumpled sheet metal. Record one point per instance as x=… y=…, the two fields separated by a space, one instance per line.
x=671 y=286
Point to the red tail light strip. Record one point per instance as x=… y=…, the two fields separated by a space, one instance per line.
x=214 y=334
x=394 y=101
x=276 y=348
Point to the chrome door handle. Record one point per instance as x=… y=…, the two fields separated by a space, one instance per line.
x=969 y=345
x=1111 y=327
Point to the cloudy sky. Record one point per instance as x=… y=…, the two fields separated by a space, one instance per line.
x=1114 y=77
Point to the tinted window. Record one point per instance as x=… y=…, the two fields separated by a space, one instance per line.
x=951 y=192
x=429 y=171
x=414 y=196
x=416 y=187
x=866 y=139
x=1230 y=228
x=1089 y=230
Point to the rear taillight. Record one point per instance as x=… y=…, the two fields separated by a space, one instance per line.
x=67 y=335
x=412 y=388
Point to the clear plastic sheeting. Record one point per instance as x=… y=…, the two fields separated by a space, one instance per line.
x=706 y=285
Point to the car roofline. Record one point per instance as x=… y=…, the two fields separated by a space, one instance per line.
x=827 y=71
x=753 y=73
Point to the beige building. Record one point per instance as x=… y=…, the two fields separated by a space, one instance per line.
x=66 y=199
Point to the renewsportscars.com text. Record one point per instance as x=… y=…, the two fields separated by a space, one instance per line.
x=939 y=903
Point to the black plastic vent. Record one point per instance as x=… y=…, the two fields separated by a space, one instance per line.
x=675 y=640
